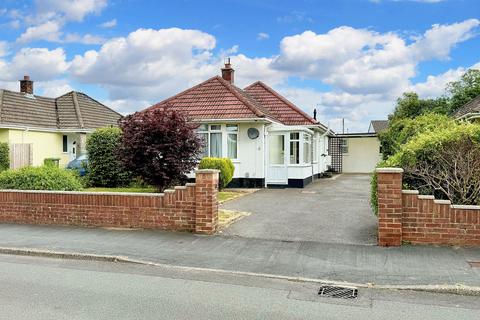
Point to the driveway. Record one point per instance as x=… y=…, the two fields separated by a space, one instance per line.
x=328 y=210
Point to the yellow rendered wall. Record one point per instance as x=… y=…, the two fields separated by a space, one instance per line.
x=45 y=144
x=363 y=155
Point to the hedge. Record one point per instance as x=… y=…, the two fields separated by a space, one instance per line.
x=39 y=178
x=104 y=169
x=4 y=156
x=225 y=165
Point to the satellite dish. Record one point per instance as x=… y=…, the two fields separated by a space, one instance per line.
x=253 y=133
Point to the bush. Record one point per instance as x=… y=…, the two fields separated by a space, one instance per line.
x=4 y=156
x=444 y=162
x=225 y=165
x=40 y=178
x=159 y=146
x=104 y=168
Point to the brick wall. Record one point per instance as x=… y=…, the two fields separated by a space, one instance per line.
x=193 y=207
x=405 y=215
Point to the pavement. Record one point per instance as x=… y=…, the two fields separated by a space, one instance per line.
x=359 y=264
x=327 y=210
x=40 y=288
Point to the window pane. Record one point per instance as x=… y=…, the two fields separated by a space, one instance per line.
x=306 y=152
x=294 y=152
x=294 y=136
x=65 y=144
x=276 y=149
x=232 y=146
x=216 y=127
x=232 y=127
x=216 y=145
x=204 y=137
x=203 y=127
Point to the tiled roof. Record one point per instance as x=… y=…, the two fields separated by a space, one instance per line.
x=472 y=106
x=278 y=106
x=73 y=110
x=218 y=99
x=379 y=125
x=214 y=99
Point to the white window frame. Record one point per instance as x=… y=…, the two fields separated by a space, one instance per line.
x=300 y=151
x=315 y=145
x=224 y=132
x=306 y=141
x=344 y=145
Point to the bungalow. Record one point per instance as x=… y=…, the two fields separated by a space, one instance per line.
x=38 y=127
x=470 y=111
x=271 y=141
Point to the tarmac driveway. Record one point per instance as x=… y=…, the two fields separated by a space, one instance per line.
x=328 y=210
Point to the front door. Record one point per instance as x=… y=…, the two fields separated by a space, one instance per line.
x=277 y=171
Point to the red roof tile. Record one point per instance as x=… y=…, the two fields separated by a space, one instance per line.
x=278 y=106
x=218 y=99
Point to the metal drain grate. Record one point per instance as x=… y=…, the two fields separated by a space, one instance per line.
x=338 y=292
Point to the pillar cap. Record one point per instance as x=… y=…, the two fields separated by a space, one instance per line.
x=207 y=171
x=389 y=170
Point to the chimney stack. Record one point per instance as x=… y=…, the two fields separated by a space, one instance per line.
x=26 y=85
x=315 y=114
x=227 y=71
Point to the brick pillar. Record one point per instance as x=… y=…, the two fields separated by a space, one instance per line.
x=206 y=202
x=389 y=206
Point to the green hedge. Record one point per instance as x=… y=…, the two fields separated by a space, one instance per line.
x=225 y=165
x=4 y=156
x=104 y=168
x=40 y=178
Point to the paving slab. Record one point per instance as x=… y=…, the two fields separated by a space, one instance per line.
x=407 y=265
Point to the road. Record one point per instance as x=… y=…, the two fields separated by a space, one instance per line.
x=46 y=288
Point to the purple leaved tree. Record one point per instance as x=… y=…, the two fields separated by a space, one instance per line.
x=160 y=146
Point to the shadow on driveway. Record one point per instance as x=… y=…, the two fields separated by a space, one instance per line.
x=327 y=210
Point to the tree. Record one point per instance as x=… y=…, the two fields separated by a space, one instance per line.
x=104 y=168
x=411 y=106
x=464 y=90
x=160 y=146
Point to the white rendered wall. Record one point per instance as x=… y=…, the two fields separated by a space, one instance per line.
x=363 y=155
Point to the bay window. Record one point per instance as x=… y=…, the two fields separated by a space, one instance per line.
x=294 y=148
x=232 y=141
x=306 y=148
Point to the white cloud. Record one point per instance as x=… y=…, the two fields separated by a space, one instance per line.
x=109 y=24
x=74 y=10
x=49 y=30
x=4 y=48
x=263 y=36
x=40 y=63
x=85 y=39
x=53 y=88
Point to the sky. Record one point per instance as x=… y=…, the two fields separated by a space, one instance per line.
x=349 y=59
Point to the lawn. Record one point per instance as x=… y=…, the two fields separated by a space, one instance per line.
x=222 y=195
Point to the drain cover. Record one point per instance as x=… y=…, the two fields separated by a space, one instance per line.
x=338 y=292
x=474 y=264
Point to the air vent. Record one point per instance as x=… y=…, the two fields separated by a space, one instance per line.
x=338 y=292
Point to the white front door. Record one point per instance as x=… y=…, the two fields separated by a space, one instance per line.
x=277 y=172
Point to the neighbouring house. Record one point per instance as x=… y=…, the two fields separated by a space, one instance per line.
x=470 y=111
x=271 y=141
x=359 y=152
x=38 y=127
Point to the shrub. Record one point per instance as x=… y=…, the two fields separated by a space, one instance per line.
x=40 y=178
x=444 y=162
x=4 y=156
x=104 y=169
x=225 y=165
x=159 y=146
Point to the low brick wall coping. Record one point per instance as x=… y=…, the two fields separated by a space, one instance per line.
x=389 y=170
x=426 y=197
x=207 y=171
x=440 y=201
x=410 y=192
x=104 y=193
x=465 y=207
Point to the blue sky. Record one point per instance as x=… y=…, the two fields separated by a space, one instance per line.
x=349 y=59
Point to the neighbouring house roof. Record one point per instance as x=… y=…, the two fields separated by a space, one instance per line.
x=377 y=126
x=71 y=111
x=473 y=106
x=356 y=135
x=282 y=109
x=217 y=98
